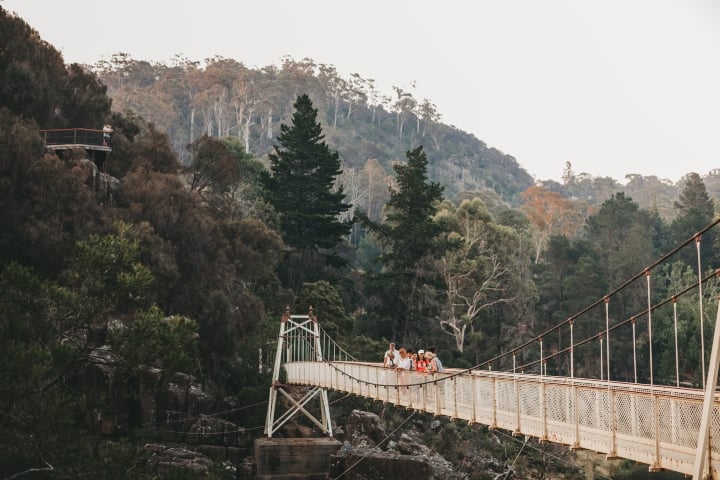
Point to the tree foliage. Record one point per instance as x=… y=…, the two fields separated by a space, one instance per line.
x=473 y=267
x=327 y=305
x=152 y=339
x=695 y=211
x=300 y=188
x=411 y=243
x=551 y=214
x=45 y=334
x=177 y=272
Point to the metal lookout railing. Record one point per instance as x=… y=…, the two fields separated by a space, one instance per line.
x=74 y=137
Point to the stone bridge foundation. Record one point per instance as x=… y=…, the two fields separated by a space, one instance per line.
x=294 y=458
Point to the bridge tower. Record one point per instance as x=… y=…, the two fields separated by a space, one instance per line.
x=299 y=340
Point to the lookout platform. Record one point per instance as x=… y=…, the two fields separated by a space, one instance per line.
x=72 y=138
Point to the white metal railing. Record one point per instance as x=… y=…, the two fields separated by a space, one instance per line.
x=656 y=425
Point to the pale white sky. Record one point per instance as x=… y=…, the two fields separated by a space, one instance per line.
x=612 y=86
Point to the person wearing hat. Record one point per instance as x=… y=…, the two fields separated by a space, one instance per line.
x=422 y=363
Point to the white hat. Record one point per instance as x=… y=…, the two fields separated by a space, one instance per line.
x=421 y=351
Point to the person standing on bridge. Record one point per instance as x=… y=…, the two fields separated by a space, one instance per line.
x=107 y=130
x=392 y=357
x=434 y=363
x=422 y=363
x=405 y=362
x=438 y=364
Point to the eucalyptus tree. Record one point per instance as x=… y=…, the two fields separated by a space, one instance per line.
x=213 y=166
x=404 y=106
x=551 y=214
x=473 y=267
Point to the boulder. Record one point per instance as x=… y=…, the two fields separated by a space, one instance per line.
x=107 y=391
x=364 y=428
x=362 y=463
x=179 y=404
x=170 y=461
x=105 y=186
x=359 y=458
x=216 y=431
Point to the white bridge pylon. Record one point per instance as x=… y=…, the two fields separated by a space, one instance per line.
x=299 y=340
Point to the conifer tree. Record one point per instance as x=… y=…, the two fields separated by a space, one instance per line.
x=300 y=188
x=411 y=241
x=695 y=210
x=409 y=229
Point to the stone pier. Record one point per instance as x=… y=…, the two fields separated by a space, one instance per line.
x=294 y=458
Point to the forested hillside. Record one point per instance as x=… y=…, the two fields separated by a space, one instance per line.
x=369 y=128
x=141 y=291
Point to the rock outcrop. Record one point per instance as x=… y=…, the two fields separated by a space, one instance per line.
x=105 y=186
x=368 y=454
x=168 y=461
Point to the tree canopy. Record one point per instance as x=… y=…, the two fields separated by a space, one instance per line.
x=302 y=185
x=167 y=271
x=411 y=241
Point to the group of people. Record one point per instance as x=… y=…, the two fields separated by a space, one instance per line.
x=405 y=359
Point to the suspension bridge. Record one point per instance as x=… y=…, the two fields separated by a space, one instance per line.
x=556 y=392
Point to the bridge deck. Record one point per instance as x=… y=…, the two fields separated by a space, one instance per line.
x=655 y=425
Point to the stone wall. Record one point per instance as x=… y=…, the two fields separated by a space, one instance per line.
x=294 y=458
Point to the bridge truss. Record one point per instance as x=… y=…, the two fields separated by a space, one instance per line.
x=299 y=338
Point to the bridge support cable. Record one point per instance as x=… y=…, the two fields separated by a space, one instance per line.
x=299 y=340
x=543 y=410
x=703 y=463
x=634 y=343
x=494 y=423
x=698 y=237
x=575 y=417
x=677 y=354
x=516 y=392
x=601 y=337
x=649 y=314
x=607 y=335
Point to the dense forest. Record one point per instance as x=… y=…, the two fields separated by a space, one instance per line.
x=231 y=193
x=370 y=129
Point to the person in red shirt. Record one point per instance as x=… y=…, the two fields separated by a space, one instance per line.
x=421 y=364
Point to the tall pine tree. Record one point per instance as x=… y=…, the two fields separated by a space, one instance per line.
x=695 y=210
x=300 y=188
x=411 y=241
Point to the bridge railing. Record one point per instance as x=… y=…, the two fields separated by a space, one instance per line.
x=608 y=391
x=656 y=425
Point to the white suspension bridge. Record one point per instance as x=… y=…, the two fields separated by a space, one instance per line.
x=666 y=426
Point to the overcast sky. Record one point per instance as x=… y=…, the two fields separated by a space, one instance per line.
x=612 y=86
